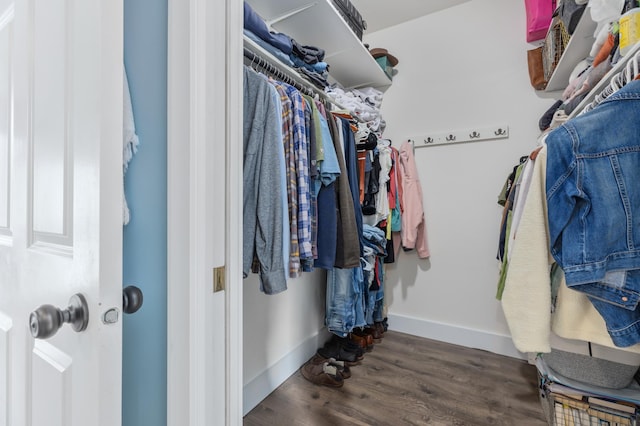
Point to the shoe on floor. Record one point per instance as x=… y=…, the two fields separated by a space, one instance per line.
x=336 y=350
x=362 y=341
x=349 y=345
x=342 y=367
x=322 y=374
x=375 y=333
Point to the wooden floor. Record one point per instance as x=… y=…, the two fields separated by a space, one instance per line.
x=409 y=380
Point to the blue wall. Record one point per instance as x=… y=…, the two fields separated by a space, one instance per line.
x=144 y=384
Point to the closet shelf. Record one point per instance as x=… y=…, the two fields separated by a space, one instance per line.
x=577 y=49
x=318 y=23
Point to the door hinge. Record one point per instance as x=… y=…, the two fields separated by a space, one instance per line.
x=218 y=279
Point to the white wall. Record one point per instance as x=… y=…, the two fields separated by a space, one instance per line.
x=281 y=332
x=458 y=69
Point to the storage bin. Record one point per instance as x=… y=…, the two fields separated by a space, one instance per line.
x=573 y=409
x=351 y=16
x=383 y=61
x=591 y=370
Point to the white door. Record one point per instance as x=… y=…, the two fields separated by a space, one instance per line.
x=60 y=208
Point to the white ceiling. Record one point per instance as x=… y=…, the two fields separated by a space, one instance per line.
x=381 y=14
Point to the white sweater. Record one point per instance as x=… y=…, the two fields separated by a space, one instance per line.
x=526 y=300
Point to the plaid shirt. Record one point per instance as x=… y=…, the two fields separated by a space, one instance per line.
x=301 y=147
x=292 y=183
x=307 y=264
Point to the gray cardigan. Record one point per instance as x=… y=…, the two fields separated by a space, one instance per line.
x=262 y=212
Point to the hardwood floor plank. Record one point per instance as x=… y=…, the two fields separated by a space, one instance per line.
x=408 y=380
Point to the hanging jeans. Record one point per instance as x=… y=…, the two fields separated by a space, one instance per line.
x=378 y=311
x=345 y=307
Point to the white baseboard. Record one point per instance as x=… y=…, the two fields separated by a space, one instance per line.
x=272 y=377
x=477 y=339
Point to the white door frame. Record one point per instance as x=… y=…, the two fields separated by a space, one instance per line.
x=204 y=107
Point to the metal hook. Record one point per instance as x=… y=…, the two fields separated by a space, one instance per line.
x=450 y=138
x=500 y=132
x=474 y=135
x=429 y=140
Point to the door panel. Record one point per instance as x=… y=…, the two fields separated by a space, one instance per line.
x=61 y=194
x=52 y=114
x=51 y=406
x=6 y=38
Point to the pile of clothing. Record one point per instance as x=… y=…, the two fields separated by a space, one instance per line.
x=363 y=103
x=307 y=60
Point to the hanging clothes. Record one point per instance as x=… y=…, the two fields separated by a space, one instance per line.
x=325 y=188
x=347 y=245
x=593 y=201
x=384 y=161
x=262 y=212
x=527 y=301
x=318 y=177
x=294 y=267
x=414 y=230
x=301 y=148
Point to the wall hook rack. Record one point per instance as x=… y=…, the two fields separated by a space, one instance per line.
x=466 y=135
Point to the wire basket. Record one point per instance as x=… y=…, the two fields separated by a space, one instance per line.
x=578 y=410
x=554 y=45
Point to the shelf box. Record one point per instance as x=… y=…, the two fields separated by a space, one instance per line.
x=383 y=61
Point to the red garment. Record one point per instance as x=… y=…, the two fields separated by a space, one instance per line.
x=605 y=50
x=362 y=161
x=393 y=189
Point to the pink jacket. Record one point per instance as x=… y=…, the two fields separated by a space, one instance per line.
x=414 y=229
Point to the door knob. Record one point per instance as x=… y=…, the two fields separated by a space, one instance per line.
x=45 y=321
x=131 y=299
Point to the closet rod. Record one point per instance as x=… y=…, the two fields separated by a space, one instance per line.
x=274 y=71
x=288 y=75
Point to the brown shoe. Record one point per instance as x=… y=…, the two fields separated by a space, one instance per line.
x=367 y=337
x=322 y=374
x=362 y=341
x=374 y=332
x=342 y=366
x=380 y=327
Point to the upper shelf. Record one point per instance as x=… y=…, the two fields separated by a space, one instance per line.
x=318 y=23
x=577 y=49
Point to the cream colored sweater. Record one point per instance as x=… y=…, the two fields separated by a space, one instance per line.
x=526 y=300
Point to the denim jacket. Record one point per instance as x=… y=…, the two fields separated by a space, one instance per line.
x=593 y=197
